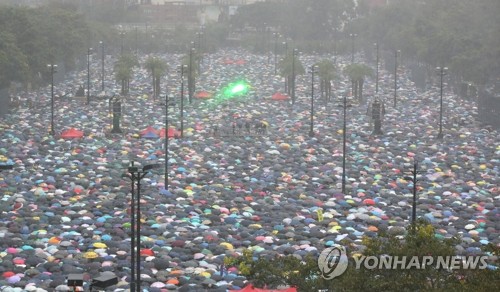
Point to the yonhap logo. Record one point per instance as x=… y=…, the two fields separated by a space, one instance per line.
x=332 y=262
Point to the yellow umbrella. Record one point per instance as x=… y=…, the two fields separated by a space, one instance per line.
x=227 y=245
x=255 y=226
x=90 y=255
x=100 y=245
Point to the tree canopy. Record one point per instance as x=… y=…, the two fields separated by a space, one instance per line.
x=460 y=34
x=421 y=240
x=33 y=38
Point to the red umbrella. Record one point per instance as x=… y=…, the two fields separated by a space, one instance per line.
x=149 y=130
x=172 y=133
x=279 y=96
x=72 y=134
x=147 y=252
x=203 y=95
x=198 y=126
x=8 y=274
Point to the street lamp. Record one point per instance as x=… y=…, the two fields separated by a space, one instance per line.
x=122 y=34
x=294 y=52
x=152 y=44
x=200 y=35
x=352 y=35
x=136 y=42
x=89 y=51
x=376 y=80
x=53 y=70
x=441 y=71
x=102 y=65
x=190 y=77
x=311 y=129
x=167 y=104
x=414 y=173
x=344 y=142
x=136 y=175
x=396 y=53
x=182 y=68
x=276 y=35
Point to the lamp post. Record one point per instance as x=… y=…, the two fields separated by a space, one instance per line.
x=344 y=142
x=190 y=77
x=294 y=52
x=352 y=35
x=396 y=53
x=52 y=68
x=200 y=36
x=122 y=34
x=167 y=104
x=102 y=65
x=152 y=44
x=286 y=48
x=136 y=176
x=413 y=178
x=441 y=71
x=311 y=126
x=136 y=42
x=182 y=68
x=276 y=35
x=377 y=60
x=89 y=51
x=132 y=232
x=166 y=142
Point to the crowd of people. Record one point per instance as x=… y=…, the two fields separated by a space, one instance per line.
x=66 y=206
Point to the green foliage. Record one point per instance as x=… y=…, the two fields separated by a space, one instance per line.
x=460 y=34
x=326 y=70
x=419 y=241
x=327 y=73
x=123 y=69
x=33 y=38
x=301 y=20
x=357 y=72
x=14 y=64
x=290 y=64
x=157 y=67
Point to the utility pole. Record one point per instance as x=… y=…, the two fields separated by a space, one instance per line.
x=414 y=179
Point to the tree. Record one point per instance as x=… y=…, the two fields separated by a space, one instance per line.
x=357 y=74
x=191 y=62
x=14 y=64
x=460 y=34
x=157 y=67
x=421 y=240
x=123 y=71
x=289 y=66
x=326 y=72
x=43 y=36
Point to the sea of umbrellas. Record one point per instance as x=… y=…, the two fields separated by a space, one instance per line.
x=66 y=205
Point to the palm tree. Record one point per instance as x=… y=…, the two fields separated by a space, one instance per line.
x=192 y=71
x=289 y=66
x=357 y=74
x=123 y=71
x=327 y=73
x=157 y=67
